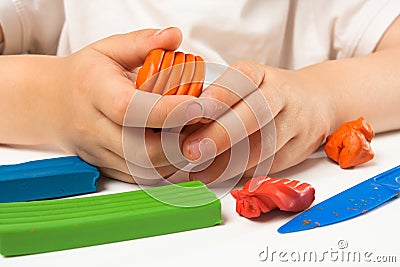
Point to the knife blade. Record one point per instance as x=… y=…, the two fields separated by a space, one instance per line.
x=355 y=201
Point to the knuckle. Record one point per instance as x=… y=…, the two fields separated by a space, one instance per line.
x=252 y=70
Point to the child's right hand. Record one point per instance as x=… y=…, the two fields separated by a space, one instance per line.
x=79 y=102
x=265 y=118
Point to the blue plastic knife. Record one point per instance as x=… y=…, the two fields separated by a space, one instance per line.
x=355 y=201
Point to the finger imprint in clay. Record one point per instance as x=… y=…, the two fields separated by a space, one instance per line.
x=350 y=144
x=175 y=76
x=198 y=77
x=164 y=72
x=273 y=193
x=150 y=68
x=187 y=75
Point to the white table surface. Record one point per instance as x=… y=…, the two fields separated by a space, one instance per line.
x=239 y=241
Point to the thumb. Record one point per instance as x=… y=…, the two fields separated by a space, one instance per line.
x=131 y=49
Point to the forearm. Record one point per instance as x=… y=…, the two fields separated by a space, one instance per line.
x=28 y=84
x=368 y=86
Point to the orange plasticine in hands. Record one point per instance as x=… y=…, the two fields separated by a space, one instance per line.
x=170 y=73
x=151 y=67
x=350 y=144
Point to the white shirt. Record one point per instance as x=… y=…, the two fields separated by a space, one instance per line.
x=281 y=33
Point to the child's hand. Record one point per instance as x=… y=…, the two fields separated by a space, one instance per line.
x=302 y=115
x=306 y=104
x=79 y=102
x=96 y=99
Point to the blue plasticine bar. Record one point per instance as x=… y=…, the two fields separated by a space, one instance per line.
x=45 y=179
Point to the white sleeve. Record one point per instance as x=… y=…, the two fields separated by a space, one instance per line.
x=31 y=26
x=358 y=33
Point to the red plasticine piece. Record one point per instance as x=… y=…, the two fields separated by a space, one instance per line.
x=350 y=144
x=273 y=193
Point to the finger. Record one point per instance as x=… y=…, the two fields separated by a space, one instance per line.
x=187 y=75
x=238 y=81
x=293 y=152
x=111 y=136
x=103 y=154
x=250 y=173
x=179 y=177
x=104 y=158
x=116 y=174
x=131 y=49
x=253 y=112
x=245 y=155
x=150 y=69
x=148 y=149
x=148 y=177
x=152 y=175
x=242 y=120
x=113 y=95
x=118 y=100
x=147 y=144
x=156 y=111
x=126 y=177
x=261 y=169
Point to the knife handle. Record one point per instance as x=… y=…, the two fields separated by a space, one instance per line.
x=389 y=178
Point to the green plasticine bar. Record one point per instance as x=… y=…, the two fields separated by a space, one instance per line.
x=51 y=225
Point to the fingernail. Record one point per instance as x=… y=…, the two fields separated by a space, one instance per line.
x=194 y=111
x=211 y=108
x=193 y=150
x=162 y=31
x=204 y=149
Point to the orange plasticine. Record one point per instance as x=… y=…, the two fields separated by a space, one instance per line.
x=350 y=144
x=170 y=73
